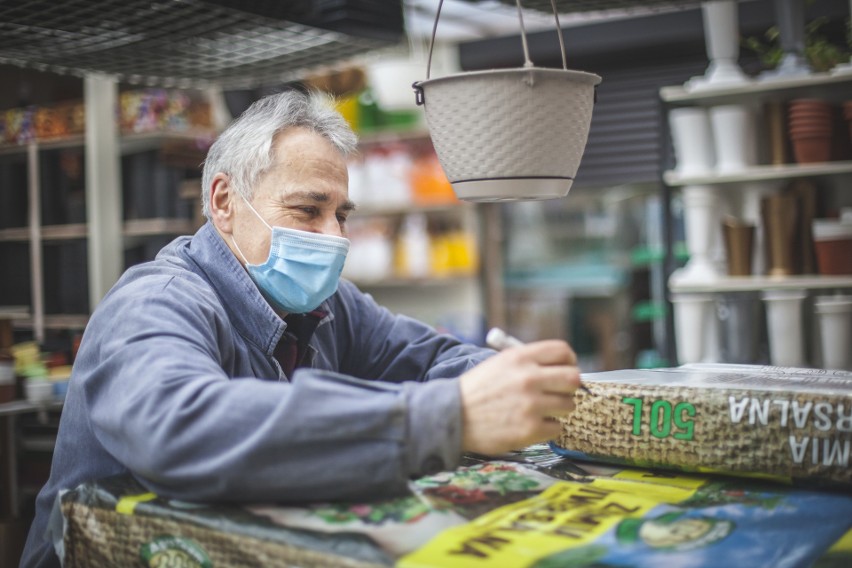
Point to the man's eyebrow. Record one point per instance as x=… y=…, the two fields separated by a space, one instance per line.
x=320 y=197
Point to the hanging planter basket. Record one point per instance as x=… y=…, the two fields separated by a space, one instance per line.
x=509 y=134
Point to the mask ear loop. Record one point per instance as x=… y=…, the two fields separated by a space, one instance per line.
x=233 y=240
x=253 y=210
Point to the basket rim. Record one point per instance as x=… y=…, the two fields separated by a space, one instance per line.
x=576 y=75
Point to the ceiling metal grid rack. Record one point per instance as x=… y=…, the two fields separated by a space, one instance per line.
x=575 y=6
x=168 y=42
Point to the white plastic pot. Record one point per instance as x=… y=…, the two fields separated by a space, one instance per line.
x=835 y=321
x=38 y=391
x=692 y=138
x=734 y=136
x=784 y=327
x=695 y=327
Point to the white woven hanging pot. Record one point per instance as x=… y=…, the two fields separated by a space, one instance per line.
x=509 y=134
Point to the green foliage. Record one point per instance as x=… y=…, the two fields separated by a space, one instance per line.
x=821 y=53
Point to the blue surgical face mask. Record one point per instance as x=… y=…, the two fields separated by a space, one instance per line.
x=302 y=270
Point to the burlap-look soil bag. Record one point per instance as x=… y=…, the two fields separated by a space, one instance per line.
x=536 y=511
x=116 y=523
x=740 y=419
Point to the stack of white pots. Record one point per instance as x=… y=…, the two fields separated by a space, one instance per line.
x=719 y=140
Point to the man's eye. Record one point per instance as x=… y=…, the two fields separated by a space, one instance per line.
x=341 y=219
x=307 y=210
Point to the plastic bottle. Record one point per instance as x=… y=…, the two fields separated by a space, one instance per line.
x=415 y=246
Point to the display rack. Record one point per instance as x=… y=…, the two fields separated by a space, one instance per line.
x=759 y=283
x=761 y=173
x=802 y=86
x=133 y=231
x=833 y=88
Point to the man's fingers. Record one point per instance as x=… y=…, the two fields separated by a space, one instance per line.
x=555 y=405
x=509 y=401
x=549 y=352
x=562 y=379
x=552 y=429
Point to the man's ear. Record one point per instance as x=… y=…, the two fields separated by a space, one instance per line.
x=222 y=202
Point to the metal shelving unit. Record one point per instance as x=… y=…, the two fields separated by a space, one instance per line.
x=592 y=6
x=816 y=84
x=761 y=173
x=128 y=232
x=202 y=44
x=826 y=86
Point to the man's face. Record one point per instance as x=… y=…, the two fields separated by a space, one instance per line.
x=306 y=189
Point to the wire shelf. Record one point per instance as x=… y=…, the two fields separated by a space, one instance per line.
x=576 y=6
x=183 y=43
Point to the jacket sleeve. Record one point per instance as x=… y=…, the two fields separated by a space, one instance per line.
x=390 y=347
x=160 y=403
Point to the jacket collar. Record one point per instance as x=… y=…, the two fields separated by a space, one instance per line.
x=246 y=307
x=247 y=310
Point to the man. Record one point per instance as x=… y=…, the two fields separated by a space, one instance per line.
x=186 y=376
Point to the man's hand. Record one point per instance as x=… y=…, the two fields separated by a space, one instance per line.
x=507 y=400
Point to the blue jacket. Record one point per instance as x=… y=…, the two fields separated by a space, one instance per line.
x=175 y=382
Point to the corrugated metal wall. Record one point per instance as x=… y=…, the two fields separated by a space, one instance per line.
x=627 y=141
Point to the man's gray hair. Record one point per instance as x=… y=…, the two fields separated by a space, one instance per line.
x=244 y=150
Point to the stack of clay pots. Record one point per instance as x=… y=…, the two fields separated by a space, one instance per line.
x=810 y=123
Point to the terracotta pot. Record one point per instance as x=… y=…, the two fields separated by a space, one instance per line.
x=832 y=240
x=802 y=123
x=809 y=108
x=810 y=132
x=810 y=115
x=796 y=114
x=812 y=149
x=808 y=103
x=805 y=121
x=800 y=112
x=827 y=118
x=809 y=123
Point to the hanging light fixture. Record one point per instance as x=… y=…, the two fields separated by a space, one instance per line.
x=509 y=134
